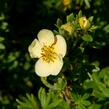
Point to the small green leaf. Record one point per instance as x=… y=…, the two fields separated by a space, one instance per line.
x=79 y=14
x=90 y=84
x=106 y=28
x=86 y=103
x=87 y=38
x=90 y=18
x=2 y=16
x=96 y=63
x=54 y=104
x=93 y=27
x=94 y=106
x=60 y=84
x=43 y=97
x=2 y=46
x=2 y=39
x=59 y=22
x=85 y=96
x=70 y=17
x=82 y=49
x=87 y=3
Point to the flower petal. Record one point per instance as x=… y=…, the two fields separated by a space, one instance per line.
x=60 y=47
x=35 y=49
x=44 y=69
x=46 y=37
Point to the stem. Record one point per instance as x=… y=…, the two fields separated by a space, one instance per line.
x=45 y=82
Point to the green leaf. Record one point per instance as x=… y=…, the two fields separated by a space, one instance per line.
x=87 y=3
x=2 y=46
x=2 y=39
x=85 y=96
x=60 y=84
x=90 y=19
x=28 y=102
x=98 y=84
x=58 y=23
x=54 y=104
x=104 y=72
x=92 y=28
x=44 y=99
x=70 y=17
x=106 y=28
x=87 y=38
x=82 y=101
x=96 y=63
x=51 y=100
x=91 y=84
x=104 y=75
x=79 y=14
x=95 y=106
x=2 y=16
x=86 y=103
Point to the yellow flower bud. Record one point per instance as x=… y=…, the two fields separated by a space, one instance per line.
x=84 y=23
x=66 y=2
x=68 y=27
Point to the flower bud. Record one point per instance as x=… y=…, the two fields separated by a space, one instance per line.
x=66 y=2
x=84 y=23
x=68 y=27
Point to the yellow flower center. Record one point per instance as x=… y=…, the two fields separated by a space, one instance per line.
x=48 y=54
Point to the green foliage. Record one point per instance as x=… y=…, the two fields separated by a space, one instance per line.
x=95 y=106
x=2 y=46
x=54 y=99
x=70 y=17
x=87 y=38
x=74 y=29
x=51 y=100
x=99 y=83
x=82 y=102
x=28 y=102
x=60 y=84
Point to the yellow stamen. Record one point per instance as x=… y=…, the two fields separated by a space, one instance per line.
x=48 y=54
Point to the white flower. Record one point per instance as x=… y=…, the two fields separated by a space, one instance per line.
x=50 y=50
